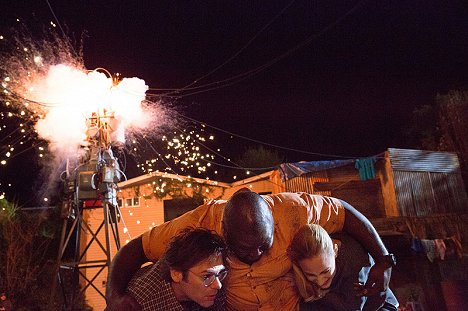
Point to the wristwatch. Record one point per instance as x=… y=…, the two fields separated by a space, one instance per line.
x=390 y=260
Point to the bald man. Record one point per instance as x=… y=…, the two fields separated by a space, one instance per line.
x=258 y=230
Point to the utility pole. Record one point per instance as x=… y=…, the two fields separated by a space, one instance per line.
x=90 y=183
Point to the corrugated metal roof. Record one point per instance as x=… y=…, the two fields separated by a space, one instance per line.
x=423 y=161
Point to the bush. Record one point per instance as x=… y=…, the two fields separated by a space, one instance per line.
x=28 y=262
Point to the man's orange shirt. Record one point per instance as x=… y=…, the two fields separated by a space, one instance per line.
x=268 y=283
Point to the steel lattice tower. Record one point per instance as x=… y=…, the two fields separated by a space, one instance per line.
x=89 y=185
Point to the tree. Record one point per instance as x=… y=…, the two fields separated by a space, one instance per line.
x=453 y=125
x=443 y=127
x=28 y=243
x=25 y=241
x=453 y=117
x=260 y=158
x=423 y=132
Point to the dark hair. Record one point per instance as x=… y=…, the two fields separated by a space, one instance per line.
x=190 y=247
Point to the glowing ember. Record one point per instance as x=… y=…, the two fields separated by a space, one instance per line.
x=48 y=93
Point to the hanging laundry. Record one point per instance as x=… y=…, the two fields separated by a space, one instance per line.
x=366 y=169
x=454 y=247
x=416 y=245
x=429 y=249
x=440 y=248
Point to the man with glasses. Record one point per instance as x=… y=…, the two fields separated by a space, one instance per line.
x=187 y=277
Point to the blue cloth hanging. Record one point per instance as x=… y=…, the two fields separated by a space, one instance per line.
x=366 y=169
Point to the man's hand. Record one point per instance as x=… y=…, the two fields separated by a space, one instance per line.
x=377 y=280
x=122 y=303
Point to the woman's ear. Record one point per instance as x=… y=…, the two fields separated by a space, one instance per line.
x=176 y=276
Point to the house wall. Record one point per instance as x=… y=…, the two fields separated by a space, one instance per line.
x=410 y=183
x=263 y=186
x=385 y=174
x=135 y=220
x=364 y=195
x=306 y=183
x=427 y=182
x=343 y=182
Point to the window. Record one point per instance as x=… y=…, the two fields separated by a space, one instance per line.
x=132 y=202
x=176 y=207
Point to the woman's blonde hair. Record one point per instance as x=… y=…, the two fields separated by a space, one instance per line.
x=310 y=241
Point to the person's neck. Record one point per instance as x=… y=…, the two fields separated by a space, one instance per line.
x=178 y=292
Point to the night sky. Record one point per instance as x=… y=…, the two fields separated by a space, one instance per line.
x=328 y=77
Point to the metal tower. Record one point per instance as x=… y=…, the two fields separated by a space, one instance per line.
x=89 y=184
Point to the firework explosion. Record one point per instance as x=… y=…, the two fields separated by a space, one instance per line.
x=50 y=99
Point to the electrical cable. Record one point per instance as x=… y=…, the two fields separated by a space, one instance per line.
x=241 y=167
x=262 y=142
x=14 y=131
x=159 y=155
x=215 y=152
x=56 y=19
x=123 y=222
x=242 y=76
x=239 y=51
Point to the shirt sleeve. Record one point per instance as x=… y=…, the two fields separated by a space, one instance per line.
x=326 y=211
x=207 y=216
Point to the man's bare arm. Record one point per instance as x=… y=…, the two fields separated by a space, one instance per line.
x=359 y=227
x=124 y=265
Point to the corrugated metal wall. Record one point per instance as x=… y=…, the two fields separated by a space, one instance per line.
x=426 y=193
x=427 y=182
x=305 y=183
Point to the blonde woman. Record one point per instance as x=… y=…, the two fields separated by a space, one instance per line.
x=327 y=272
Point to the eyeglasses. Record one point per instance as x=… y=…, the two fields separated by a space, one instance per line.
x=208 y=279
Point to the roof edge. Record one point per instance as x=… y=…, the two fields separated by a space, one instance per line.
x=144 y=178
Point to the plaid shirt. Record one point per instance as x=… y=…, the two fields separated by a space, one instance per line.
x=154 y=293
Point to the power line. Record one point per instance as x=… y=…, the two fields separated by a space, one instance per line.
x=265 y=143
x=159 y=155
x=242 y=76
x=188 y=87
x=14 y=131
x=56 y=19
x=241 y=167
